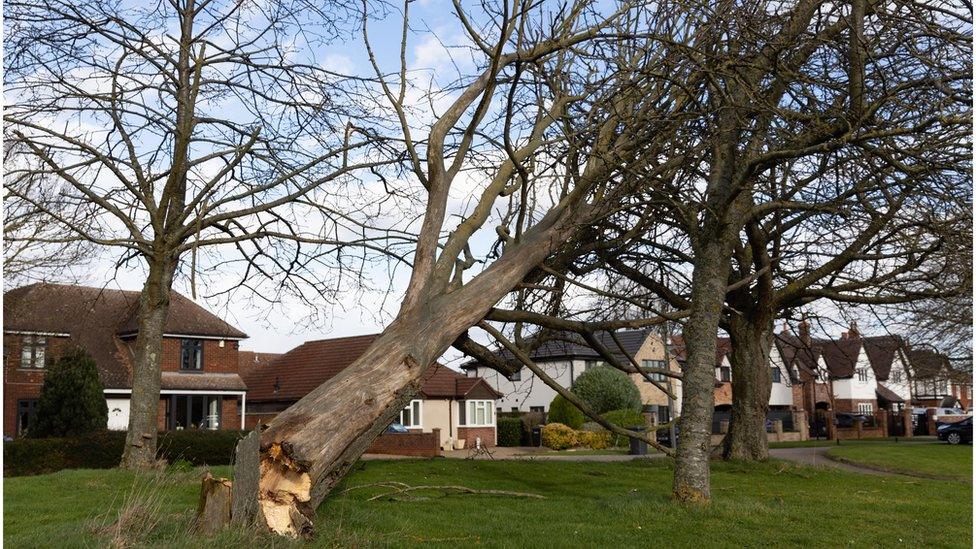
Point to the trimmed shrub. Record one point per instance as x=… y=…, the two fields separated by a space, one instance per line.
x=72 y=401
x=558 y=436
x=592 y=427
x=625 y=419
x=606 y=388
x=565 y=412
x=103 y=450
x=596 y=440
x=509 y=431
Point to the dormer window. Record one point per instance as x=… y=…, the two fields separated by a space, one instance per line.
x=191 y=355
x=896 y=376
x=32 y=352
x=862 y=375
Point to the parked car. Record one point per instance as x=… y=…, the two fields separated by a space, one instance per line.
x=396 y=428
x=845 y=419
x=958 y=432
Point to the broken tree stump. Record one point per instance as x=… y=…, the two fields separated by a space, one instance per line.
x=246 y=476
x=214 y=511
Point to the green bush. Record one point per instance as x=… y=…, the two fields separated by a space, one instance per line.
x=606 y=388
x=565 y=412
x=558 y=436
x=626 y=419
x=509 y=431
x=72 y=401
x=103 y=450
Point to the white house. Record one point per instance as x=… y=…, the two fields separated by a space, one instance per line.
x=565 y=361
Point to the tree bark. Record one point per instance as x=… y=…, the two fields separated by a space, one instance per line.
x=307 y=449
x=691 y=474
x=751 y=386
x=140 y=441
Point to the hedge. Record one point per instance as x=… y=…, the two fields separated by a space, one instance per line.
x=509 y=431
x=565 y=412
x=103 y=450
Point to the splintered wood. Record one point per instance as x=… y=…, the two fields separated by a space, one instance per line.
x=284 y=485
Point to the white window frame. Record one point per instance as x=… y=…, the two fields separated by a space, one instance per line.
x=471 y=408
x=416 y=408
x=865 y=408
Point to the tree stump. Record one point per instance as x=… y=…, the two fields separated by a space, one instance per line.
x=213 y=513
x=246 y=476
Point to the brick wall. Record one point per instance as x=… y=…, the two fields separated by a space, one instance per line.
x=229 y=417
x=215 y=358
x=850 y=404
x=22 y=384
x=723 y=394
x=408 y=444
x=469 y=435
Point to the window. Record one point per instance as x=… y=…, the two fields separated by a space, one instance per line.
x=25 y=413
x=776 y=375
x=32 y=352
x=517 y=376
x=514 y=408
x=865 y=407
x=590 y=364
x=896 y=376
x=192 y=355
x=477 y=413
x=410 y=416
x=540 y=409
x=725 y=373
x=195 y=412
x=862 y=375
x=655 y=376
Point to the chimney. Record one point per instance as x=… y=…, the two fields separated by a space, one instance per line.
x=852 y=332
x=786 y=328
x=805 y=331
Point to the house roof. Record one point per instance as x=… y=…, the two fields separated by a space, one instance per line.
x=840 y=355
x=885 y=393
x=881 y=351
x=293 y=375
x=927 y=363
x=630 y=343
x=206 y=381
x=439 y=381
x=93 y=317
x=723 y=347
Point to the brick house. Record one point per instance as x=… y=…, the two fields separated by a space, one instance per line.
x=201 y=387
x=455 y=406
x=936 y=384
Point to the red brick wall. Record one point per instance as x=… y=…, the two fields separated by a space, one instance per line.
x=24 y=384
x=229 y=417
x=469 y=434
x=408 y=444
x=850 y=404
x=215 y=358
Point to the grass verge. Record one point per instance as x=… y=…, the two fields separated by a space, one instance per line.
x=585 y=504
x=932 y=460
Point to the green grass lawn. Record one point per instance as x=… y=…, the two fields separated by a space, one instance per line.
x=824 y=442
x=586 y=504
x=939 y=460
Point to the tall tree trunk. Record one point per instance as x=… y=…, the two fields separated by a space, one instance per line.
x=709 y=280
x=140 y=441
x=751 y=386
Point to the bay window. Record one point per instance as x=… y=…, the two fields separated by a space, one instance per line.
x=477 y=413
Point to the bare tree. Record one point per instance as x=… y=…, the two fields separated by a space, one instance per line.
x=180 y=126
x=563 y=134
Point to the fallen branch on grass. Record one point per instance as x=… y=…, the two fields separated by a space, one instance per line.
x=399 y=488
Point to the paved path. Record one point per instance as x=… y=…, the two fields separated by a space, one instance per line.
x=815 y=456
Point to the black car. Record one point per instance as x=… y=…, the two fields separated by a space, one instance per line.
x=844 y=419
x=956 y=433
